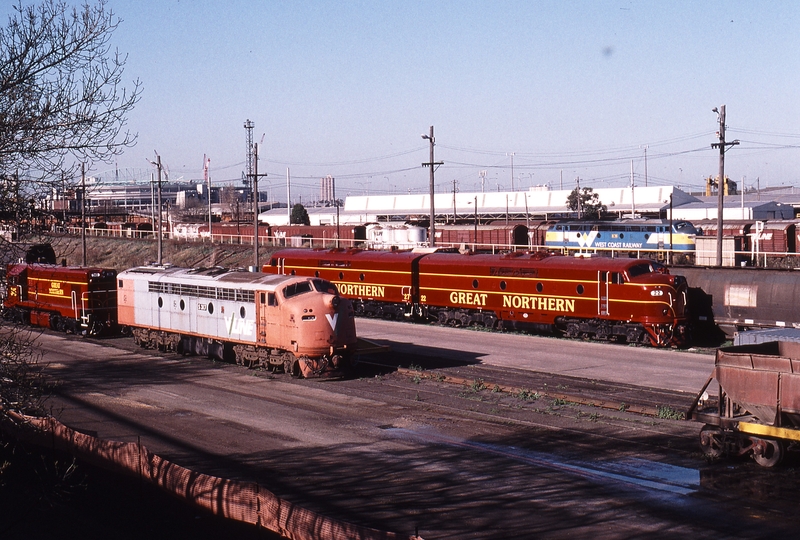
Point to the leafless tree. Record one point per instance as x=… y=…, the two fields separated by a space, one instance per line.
x=62 y=99
x=23 y=389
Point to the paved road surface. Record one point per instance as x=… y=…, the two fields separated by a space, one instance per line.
x=642 y=366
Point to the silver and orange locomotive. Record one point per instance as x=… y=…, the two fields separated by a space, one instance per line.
x=297 y=324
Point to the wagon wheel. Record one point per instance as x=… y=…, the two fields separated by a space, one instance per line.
x=767 y=452
x=711 y=441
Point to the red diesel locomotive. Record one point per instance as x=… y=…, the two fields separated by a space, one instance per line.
x=81 y=300
x=632 y=300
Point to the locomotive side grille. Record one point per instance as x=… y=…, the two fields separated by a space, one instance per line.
x=199 y=291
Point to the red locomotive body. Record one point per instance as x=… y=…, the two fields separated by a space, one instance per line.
x=76 y=299
x=630 y=300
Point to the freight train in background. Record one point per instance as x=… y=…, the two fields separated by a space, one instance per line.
x=626 y=300
x=771 y=243
x=299 y=325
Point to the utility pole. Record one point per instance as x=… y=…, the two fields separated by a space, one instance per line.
x=336 y=203
x=248 y=127
x=454 y=200
x=432 y=164
x=288 y=197
x=206 y=163
x=723 y=147
x=157 y=164
x=512 y=169
x=83 y=211
x=255 y=176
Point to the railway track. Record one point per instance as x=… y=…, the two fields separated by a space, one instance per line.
x=530 y=385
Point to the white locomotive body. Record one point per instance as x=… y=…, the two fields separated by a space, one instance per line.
x=299 y=324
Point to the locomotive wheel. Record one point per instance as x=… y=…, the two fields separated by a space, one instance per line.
x=711 y=441
x=56 y=323
x=290 y=366
x=767 y=452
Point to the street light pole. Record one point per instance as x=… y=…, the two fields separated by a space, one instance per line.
x=431 y=164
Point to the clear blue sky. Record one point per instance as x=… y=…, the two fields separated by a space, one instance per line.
x=571 y=88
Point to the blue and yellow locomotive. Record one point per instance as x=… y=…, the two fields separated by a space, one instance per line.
x=627 y=235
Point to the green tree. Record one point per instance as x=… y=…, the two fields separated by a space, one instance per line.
x=586 y=202
x=300 y=215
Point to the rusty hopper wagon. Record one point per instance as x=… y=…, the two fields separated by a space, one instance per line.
x=758 y=410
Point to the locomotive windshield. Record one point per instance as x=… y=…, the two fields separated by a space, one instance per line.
x=324 y=286
x=293 y=289
x=639 y=270
x=646 y=268
x=684 y=227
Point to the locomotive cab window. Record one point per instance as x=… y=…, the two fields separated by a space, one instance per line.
x=272 y=299
x=294 y=289
x=324 y=286
x=639 y=270
x=617 y=278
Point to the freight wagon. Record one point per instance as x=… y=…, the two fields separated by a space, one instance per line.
x=757 y=411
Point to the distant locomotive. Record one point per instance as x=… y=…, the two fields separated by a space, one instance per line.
x=81 y=300
x=631 y=300
x=299 y=325
x=633 y=235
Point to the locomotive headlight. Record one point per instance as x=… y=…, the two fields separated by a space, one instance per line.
x=335 y=302
x=657 y=292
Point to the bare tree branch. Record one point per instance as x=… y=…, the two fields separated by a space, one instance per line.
x=61 y=88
